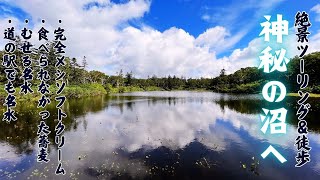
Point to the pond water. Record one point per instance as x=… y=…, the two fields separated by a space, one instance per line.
x=160 y=135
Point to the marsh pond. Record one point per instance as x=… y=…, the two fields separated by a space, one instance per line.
x=160 y=135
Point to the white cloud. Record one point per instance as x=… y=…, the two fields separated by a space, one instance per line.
x=316 y=9
x=174 y=51
x=205 y=17
x=217 y=39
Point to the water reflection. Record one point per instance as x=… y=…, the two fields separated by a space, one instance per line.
x=167 y=135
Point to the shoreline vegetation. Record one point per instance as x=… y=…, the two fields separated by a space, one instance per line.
x=88 y=90
x=81 y=82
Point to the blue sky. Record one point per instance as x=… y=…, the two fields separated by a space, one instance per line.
x=183 y=37
x=191 y=15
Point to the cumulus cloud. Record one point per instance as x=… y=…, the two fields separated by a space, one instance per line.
x=217 y=39
x=174 y=51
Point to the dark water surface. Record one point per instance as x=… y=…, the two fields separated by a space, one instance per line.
x=160 y=135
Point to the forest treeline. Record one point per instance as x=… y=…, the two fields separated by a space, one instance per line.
x=245 y=80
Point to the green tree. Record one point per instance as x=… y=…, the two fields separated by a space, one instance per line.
x=129 y=79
